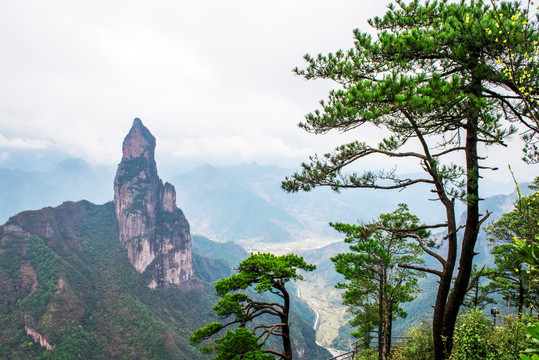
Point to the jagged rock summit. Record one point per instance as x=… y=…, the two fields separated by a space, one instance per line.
x=152 y=229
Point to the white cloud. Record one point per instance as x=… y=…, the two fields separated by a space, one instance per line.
x=211 y=79
x=23 y=143
x=242 y=148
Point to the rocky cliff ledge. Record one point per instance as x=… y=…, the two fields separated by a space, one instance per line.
x=152 y=229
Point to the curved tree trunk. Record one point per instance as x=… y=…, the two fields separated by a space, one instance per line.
x=287 y=343
x=469 y=238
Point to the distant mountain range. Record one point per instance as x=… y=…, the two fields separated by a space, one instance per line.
x=245 y=204
x=70 y=179
x=118 y=280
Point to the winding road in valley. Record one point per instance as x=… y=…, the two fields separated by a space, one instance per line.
x=317 y=319
x=333 y=352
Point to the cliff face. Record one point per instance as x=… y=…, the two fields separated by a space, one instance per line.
x=68 y=290
x=152 y=229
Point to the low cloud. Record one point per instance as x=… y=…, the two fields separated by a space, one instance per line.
x=24 y=143
x=242 y=148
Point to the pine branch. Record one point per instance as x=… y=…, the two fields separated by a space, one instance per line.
x=421 y=268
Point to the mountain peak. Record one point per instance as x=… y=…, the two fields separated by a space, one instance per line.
x=152 y=229
x=139 y=142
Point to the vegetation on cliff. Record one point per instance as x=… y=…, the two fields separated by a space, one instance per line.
x=82 y=294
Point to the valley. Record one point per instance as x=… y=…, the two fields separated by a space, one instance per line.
x=245 y=205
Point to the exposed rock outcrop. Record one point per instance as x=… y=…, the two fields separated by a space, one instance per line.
x=152 y=229
x=38 y=338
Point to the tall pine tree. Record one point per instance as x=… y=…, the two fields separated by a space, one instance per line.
x=430 y=78
x=375 y=281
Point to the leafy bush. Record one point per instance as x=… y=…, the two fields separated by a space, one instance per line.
x=240 y=344
x=510 y=339
x=475 y=338
x=419 y=346
x=367 y=354
x=532 y=353
x=472 y=338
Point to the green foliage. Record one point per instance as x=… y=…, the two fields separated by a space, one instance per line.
x=168 y=217
x=131 y=168
x=479 y=296
x=378 y=283
x=520 y=70
x=475 y=338
x=532 y=353
x=367 y=354
x=46 y=264
x=343 y=339
x=229 y=251
x=429 y=76
x=510 y=338
x=266 y=271
x=240 y=344
x=209 y=270
x=419 y=346
x=472 y=339
x=263 y=272
x=515 y=237
x=102 y=308
x=528 y=252
x=77 y=343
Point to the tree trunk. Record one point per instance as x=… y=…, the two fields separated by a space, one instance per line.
x=439 y=309
x=444 y=284
x=381 y=312
x=456 y=297
x=521 y=293
x=387 y=331
x=287 y=344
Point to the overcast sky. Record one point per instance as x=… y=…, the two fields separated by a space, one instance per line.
x=211 y=79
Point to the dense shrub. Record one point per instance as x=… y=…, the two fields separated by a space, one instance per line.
x=419 y=346
x=367 y=354
x=472 y=339
x=532 y=352
x=510 y=339
x=475 y=338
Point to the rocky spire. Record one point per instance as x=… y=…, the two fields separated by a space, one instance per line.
x=152 y=229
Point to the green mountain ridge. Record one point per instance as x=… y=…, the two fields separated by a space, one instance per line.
x=65 y=278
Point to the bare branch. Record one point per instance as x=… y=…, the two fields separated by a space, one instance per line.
x=275 y=352
x=454 y=232
x=475 y=279
x=421 y=268
x=459 y=148
x=482 y=220
x=427 y=250
x=404 y=230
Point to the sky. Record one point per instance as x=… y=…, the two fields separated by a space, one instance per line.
x=211 y=79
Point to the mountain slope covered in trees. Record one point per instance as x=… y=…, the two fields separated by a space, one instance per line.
x=66 y=279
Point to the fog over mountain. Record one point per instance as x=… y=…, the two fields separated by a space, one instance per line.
x=243 y=203
x=118 y=280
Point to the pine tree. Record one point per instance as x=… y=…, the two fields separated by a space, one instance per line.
x=375 y=281
x=265 y=273
x=430 y=78
x=511 y=277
